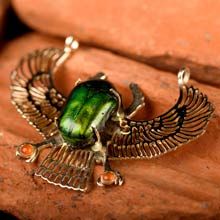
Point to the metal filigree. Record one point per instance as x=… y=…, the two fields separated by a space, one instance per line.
x=33 y=92
x=67 y=168
x=184 y=122
x=70 y=163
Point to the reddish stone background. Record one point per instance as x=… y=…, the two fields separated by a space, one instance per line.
x=3 y=13
x=165 y=34
x=181 y=185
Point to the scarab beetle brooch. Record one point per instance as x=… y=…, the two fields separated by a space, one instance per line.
x=91 y=126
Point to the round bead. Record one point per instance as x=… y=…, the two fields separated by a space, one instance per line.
x=108 y=178
x=26 y=150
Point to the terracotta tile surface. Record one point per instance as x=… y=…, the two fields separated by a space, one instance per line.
x=165 y=34
x=3 y=11
x=181 y=185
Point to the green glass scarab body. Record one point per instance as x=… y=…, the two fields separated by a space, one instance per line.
x=89 y=106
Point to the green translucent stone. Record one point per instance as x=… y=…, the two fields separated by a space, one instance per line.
x=89 y=105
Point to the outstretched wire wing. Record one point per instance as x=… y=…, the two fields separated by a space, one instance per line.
x=33 y=91
x=185 y=121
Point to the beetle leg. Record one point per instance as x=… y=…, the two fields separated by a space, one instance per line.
x=119 y=112
x=120 y=115
x=98 y=144
x=138 y=101
x=109 y=176
x=99 y=75
x=30 y=152
x=78 y=81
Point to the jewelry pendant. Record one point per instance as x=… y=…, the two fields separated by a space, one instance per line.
x=91 y=126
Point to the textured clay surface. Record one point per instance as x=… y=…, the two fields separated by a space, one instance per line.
x=3 y=11
x=180 y=185
x=164 y=34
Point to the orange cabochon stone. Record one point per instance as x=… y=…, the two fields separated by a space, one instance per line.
x=27 y=149
x=108 y=178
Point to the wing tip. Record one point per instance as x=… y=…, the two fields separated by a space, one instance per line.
x=67 y=168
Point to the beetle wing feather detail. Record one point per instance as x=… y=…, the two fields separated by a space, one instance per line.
x=68 y=168
x=33 y=92
x=184 y=122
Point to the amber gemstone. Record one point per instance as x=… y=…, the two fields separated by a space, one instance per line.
x=26 y=150
x=108 y=178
